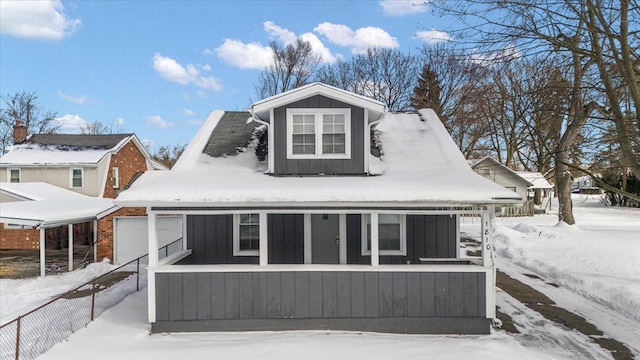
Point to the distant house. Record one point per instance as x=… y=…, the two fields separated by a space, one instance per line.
x=321 y=234
x=495 y=171
x=98 y=166
x=540 y=190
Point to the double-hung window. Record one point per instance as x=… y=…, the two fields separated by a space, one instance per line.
x=115 y=177
x=76 y=178
x=391 y=234
x=14 y=175
x=246 y=235
x=318 y=133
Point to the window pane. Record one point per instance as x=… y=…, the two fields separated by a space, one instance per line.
x=389 y=237
x=333 y=143
x=15 y=176
x=249 y=232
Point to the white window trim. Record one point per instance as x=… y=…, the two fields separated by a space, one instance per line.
x=236 y=239
x=71 y=178
x=9 y=170
x=115 y=176
x=403 y=237
x=318 y=112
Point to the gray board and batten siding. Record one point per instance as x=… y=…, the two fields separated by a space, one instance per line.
x=401 y=302
x=211 y=240
x=284 y=166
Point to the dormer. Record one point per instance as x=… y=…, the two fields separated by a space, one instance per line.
x=318 y=129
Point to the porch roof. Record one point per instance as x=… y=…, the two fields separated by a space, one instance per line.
x=54 y=212
x=421 y=166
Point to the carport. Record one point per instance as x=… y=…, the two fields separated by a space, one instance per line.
x=51 y=213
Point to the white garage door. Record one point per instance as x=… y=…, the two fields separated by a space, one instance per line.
x=131 y=236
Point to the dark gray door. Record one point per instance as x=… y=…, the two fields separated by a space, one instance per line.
x=325 y=232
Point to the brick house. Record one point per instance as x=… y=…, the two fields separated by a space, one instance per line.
x=92 y=165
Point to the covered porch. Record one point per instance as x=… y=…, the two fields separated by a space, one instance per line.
x=389 y=269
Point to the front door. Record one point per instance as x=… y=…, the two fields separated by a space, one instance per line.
x=325 y=235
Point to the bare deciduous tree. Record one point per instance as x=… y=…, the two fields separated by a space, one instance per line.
x=386 y=75
x=293 y=65
x=26 y=107
x=594 y=37
x=98 y=127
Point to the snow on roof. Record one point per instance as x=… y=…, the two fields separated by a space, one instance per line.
x=422 y=166
x=36 y=191
x=63 y=149
x=54 y=211
x=535 y=178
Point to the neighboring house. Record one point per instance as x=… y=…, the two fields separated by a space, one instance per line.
x=585 y=185
x=540 y=190
x=493 y=170
x=92 y=165
x=321 y=234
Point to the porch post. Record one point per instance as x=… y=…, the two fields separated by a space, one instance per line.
x=153 y=263
x=487 y=261
x=308 y=255
x=70 y=245
x=342 y=231
x=42 y=259
x=375 y=253
x=264 y=240
x=184 y=232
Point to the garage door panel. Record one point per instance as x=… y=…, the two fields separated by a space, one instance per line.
x=131 y=235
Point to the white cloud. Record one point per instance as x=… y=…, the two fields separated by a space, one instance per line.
x=173 y=71
x=369 y=37
x=359 y=40
x=244 y=56
x=284 y=35
x=80 y=99
x=119 y=121
x=258 y=56
x=36 y=19
x=403 y=7
x=336 y=33
x=319 y=48
x=157 y=121
x=71 y=124
x=433 y=36
x=188 y=112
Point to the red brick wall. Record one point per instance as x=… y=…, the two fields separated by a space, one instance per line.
x=129 y=161
x=19 y=239
x=105 y=230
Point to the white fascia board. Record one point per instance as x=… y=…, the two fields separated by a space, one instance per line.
x=326 y=206
x=317 y=89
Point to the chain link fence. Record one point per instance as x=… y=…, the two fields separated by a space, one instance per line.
x=37 y=331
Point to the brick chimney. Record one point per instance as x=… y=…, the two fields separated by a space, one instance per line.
x=19 y=132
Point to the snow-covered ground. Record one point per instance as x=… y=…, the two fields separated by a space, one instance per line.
x=595 y=264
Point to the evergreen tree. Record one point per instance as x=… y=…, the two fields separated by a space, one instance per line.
x=426 y=94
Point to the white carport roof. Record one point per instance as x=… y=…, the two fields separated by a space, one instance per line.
x=55 y=211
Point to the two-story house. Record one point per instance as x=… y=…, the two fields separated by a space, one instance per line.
x=93 y=165
x=322 y=234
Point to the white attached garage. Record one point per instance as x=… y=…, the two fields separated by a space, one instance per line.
x=131 y=236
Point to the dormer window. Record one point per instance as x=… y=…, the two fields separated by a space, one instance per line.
x=318 y=133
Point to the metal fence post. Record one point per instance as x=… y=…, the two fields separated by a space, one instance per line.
x=93 y=299
x=138 y=274
x=18 y=338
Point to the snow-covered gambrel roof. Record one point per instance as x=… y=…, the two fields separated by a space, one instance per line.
x=421 y=166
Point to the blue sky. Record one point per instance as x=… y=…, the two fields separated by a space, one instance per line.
x=157 y=68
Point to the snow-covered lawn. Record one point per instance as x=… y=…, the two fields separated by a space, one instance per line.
x=594 y=264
